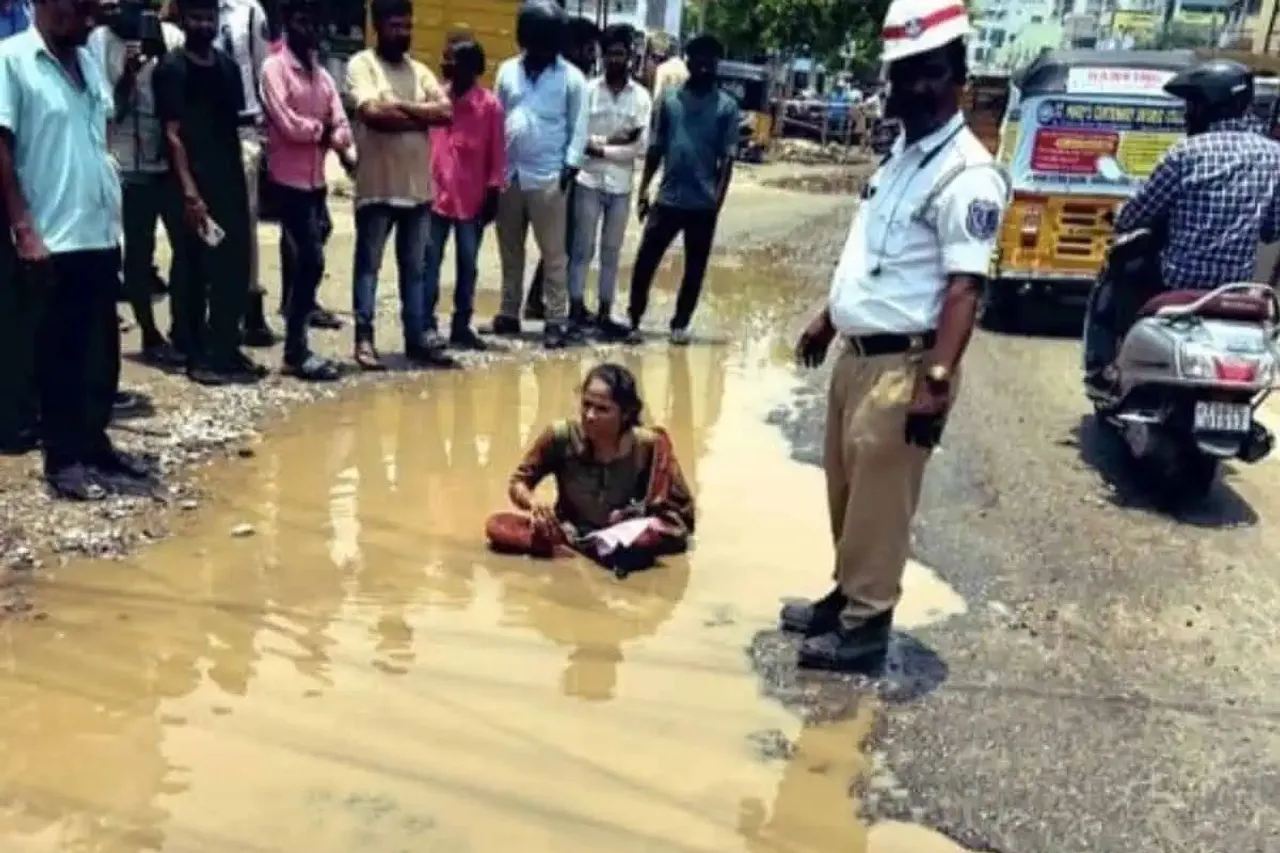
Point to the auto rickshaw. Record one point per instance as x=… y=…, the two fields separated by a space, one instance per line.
x=749 y=85
x=1067 y=109
x=986 y=98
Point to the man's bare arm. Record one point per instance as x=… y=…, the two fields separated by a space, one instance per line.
x=956 y=321
x=386 y=117
x=181 y=163
x=10 y=190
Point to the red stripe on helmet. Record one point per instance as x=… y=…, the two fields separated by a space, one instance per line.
x=925 y=23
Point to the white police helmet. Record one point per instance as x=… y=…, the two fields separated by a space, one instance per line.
x=918 y=26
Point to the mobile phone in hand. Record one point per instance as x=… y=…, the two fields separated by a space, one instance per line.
x=212 y=233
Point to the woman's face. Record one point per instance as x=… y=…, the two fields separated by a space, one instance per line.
x=601 y=416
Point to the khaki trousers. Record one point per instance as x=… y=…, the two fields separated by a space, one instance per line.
x=544 y=210
x=250 y=154
x=873 y=477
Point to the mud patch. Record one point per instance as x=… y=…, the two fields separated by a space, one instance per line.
x=847 y=181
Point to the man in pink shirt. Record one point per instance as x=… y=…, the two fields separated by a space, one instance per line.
x=468 y=166
x=305 y=121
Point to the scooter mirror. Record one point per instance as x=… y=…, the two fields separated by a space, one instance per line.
x=1110 y=168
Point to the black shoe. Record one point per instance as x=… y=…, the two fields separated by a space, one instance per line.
x=813 y=617
x=1100 y=380
x=429 y=356
x=634 y=336
x=467 y=339
x=554 y=337
x=117 y=463
x=535 y=310
x=238 y=367
x=507 y=327
x=76 y=483
x=322 y=318
x=313 y=368
x=578 y=314
x=160 y=354
x=125 y=403
x=858 y=650
x=204 y=374
x=609 y=329
x=258 y=335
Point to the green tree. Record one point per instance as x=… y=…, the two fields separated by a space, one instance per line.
x=827 y=30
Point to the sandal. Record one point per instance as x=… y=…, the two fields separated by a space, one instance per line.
x=315 y=369
x=367 y=357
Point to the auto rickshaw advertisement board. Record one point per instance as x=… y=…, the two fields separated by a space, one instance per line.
x=1064 y=137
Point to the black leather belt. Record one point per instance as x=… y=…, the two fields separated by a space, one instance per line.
x=890 y=343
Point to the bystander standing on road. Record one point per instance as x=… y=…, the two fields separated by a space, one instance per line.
x=19 y=308
x=244 y=35
x=128 y=57
x=903 y=298
x=62 y=194
x=694 y=138
x=397 y=100
x=543 y=98
x=468 y=168
x=582 y=43
x=304 y=122
x=617 y=117
x=200 y=101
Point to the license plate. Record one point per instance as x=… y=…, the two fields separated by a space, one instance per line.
x=1212 y=416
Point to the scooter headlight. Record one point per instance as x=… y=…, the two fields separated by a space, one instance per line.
x=1196 y=362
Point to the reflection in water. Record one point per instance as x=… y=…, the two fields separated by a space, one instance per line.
x=361 y=674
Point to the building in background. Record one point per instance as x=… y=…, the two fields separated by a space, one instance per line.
x=1009 y=33
x=644 y=15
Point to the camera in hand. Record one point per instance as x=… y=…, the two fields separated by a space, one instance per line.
x=135 y=20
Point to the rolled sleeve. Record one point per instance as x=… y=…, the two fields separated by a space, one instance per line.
x=361 y=81
x=10 y=95
x=970 y=212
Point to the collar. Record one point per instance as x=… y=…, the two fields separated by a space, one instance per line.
x=931 y=142
x=627 y=87
x=1244 y=124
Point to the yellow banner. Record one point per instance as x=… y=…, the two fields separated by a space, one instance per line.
x=1139 y=153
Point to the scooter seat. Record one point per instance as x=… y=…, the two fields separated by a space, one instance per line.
x=1245 y=307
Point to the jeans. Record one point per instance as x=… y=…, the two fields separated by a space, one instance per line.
x=597 y=213
x=374 y=222
x=660 y=230
x=303 y=215
x=466 y=245
x=286 y=257
x=78 y=355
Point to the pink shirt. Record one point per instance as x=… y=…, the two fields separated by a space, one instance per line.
x=468 y=156
x=298 y=103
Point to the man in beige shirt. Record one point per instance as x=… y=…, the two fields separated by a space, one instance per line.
x=397 y=100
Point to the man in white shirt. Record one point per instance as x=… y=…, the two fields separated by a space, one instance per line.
x=617 y=116
x=903 y=297
x=244 y=35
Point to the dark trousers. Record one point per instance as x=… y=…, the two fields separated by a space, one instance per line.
x=303 y=217
x=466 y=251
x=570 y=228
x=78 y=355
x=209 y=286
x=21 y=307
x=286 y=253
x=145 y=201
x=660 y=230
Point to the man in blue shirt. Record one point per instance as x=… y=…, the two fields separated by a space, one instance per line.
x=695 y=133
x=542 y=96
x=62 y=195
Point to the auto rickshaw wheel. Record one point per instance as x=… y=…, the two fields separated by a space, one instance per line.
x=1001 y=306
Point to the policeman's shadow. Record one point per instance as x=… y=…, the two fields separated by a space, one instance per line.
x=912 y=671
x=1129 y=487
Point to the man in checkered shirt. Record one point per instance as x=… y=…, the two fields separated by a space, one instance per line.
x=1216 y=192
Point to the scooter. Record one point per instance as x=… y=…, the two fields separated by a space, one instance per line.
x=1189 y=377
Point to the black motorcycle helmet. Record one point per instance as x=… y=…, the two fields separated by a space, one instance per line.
x=1214 y=90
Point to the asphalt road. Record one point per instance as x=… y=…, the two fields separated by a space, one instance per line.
x=1115 y=682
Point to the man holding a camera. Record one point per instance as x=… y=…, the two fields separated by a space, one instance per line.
x=127 y=48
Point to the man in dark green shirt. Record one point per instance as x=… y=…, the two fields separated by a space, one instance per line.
x=694 y=137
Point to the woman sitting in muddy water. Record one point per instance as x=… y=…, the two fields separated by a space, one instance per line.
x=622 y=499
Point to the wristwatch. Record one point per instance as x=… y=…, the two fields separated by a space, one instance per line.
x=938 y=375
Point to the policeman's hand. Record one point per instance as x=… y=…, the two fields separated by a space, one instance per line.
x=29 y=245
x=815 y=340
x=489 y=210
x=195 y=213
x=927 y=414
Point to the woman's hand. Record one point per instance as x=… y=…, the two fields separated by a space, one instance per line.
x=544 y=518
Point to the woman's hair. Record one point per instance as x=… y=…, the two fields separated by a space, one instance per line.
x=467 y=51
x=623 y=389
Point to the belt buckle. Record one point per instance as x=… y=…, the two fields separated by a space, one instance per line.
x=915 y=348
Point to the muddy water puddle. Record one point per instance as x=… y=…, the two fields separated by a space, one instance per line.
x=355 y=672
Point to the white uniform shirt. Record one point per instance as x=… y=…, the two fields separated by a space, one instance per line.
x=903 y=245
x=244 y=36
x=608 y=114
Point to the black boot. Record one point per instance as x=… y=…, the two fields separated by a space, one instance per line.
x=256 y=331
x=813 y=617
x=578 y=315
x=857 y=650
x=607 y=327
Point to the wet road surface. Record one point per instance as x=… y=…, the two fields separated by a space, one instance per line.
x=327 y=660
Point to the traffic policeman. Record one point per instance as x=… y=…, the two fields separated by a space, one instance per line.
x=903 y=301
